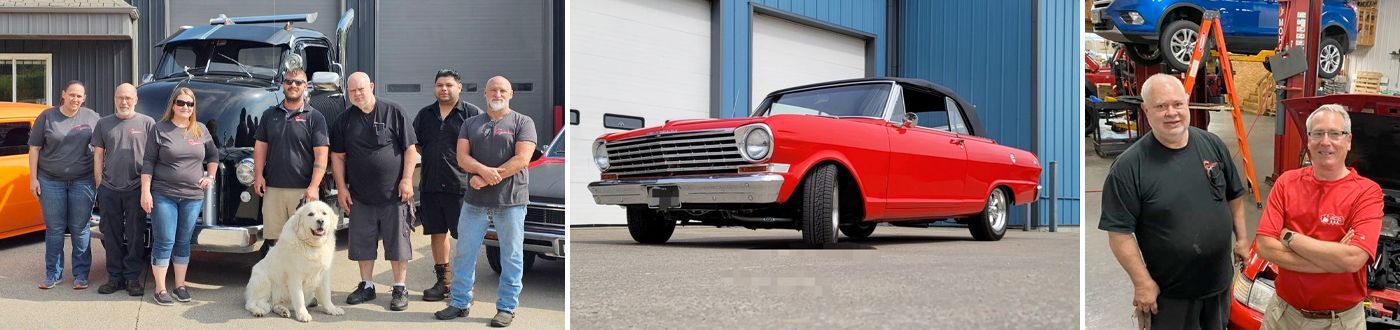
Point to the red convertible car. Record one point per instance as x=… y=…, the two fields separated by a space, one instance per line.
x=821 y=158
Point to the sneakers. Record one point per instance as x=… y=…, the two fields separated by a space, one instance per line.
x=451 y=313
x=163 y=298
x=502 y=319
x=111 y=286
x=443 y=287
x=182 y=294
x=363 y=292
x=49 y=283
x=399 y=300
x=80 y=284
x=134 y=288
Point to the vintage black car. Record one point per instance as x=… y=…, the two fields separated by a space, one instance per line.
x=544 y=216
x=235 y=67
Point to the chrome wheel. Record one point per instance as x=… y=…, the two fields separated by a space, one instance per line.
x=1330 y=58
x=996 y=210
x=835 y=208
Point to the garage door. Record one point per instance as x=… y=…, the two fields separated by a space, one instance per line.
x=787 y=54
x=478 y=39
x=640 y=58
x=196 y=13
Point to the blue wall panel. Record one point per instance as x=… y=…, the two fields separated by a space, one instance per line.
x=1061 y=94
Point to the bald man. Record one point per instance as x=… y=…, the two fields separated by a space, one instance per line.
x=372 y=158
x=119 y=141
x=494 y=147
x=1170 y=204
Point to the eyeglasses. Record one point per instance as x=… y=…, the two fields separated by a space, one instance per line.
x=183 y=103
x=1331 y=135
x=296 y=82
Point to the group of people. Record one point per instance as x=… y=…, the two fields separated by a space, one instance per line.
x=1174 y=213
x=473 y=176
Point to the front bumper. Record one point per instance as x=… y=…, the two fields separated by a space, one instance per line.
x=542 y=238
x=1106 y=26
x=744 y=188
x=218 y=239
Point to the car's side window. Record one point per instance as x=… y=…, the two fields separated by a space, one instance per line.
x=955 y=116
x=929 y=107
x=14 y=139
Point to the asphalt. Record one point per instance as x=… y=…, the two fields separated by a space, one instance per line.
x=903 y=278
x=1108 y=294
x=216 y=282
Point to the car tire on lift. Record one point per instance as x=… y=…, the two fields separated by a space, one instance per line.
x=1143 y=54
x=859 y=231
x=821 y=206
x=1330 y=48
x=493 y=257
x=648 y=226
x=991 y=224
x=1168 y=43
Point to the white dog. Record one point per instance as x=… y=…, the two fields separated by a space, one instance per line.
x=299 y=264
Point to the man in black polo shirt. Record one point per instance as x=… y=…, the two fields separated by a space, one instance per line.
x=373 y=156
x=443 y=181
x=1170 y=204
x=289 y=157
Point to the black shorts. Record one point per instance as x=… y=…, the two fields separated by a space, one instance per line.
x=439 y=212
x=1207 y=313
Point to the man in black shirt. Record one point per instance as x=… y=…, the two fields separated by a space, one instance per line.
x=289 y=157
x=443 y=181
x=372 y=156
x=1170 y=203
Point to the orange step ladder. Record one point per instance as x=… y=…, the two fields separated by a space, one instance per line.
x=1210 y=27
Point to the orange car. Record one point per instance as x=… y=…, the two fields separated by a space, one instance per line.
x=19 y=206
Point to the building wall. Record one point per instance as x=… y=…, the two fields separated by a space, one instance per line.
x=1377 y=58
x=100 y=64
x=1059 y=100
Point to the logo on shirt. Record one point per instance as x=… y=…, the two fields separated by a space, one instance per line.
x=299 y=118
x=80 y=127
x=1332 y=219
x=1209 y=165
x=133 y=131
x=194 y=142
x=502 y=131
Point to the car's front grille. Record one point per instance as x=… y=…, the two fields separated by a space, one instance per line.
x=544 y=215
x=688 y=153
x=1102 y=3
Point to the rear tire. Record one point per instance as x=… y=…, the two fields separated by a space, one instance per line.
x=859 y=231
x=821 y=206
x=1177 y=42
x=648 y=226
x=1143 y=54
x=991 y=224
x=1329 y=58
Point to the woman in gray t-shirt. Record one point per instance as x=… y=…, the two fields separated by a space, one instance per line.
x=172 y=189
x=62 y=179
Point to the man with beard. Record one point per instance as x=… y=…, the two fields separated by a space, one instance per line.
x=495 y=148
x=289 y=157
x=119 y=142
x=443 y=181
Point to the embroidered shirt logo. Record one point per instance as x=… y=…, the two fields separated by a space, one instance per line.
x=1209 y=165
x=80 y=127
x=133 y=131
x=194 y=142
x=299 y=118
x=1332 y=219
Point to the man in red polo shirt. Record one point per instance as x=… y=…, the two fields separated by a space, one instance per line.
x=1320 y=228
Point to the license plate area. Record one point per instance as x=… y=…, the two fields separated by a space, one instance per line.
x=663 y=197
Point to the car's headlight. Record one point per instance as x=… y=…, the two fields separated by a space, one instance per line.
x=600 y=155
x=244 y=170
x=1258 y=295
x=755 y=142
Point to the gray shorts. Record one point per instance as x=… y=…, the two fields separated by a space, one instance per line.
x=371 y=223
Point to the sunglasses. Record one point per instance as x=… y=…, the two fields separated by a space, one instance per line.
x=296 y=82
x=183 y=103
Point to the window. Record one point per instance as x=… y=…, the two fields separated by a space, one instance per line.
x=864 y=100
x=225 y=57
x=14 y=139
x=931 y=109
x=955 y=116
x=25 y=78
x=573 y=116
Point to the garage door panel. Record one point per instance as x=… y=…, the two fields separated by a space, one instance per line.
x=787 y=54
x=196 y=13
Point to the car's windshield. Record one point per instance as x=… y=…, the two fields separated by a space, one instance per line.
x=225 y=57
x=556 y=149
x=864 y=100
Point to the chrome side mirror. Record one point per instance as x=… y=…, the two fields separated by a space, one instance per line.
x=909 y=119
x=326 y=81
x=148 y=78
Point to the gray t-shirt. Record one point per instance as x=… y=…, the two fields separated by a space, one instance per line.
x=493 y=143
x=65 y=153
x=123 y=143
x=175 y=159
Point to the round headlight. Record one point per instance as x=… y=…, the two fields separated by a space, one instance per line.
x=757 y=144
x=244 y=170
x=600 y=155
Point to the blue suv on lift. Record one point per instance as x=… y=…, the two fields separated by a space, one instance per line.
x=1149 y=29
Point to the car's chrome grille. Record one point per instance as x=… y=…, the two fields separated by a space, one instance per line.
x=687 y=153
x=544 y=215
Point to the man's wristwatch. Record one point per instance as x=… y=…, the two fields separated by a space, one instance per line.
x=1287 y=239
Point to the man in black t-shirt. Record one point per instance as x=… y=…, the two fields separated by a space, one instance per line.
x=289 y=157
x=373 y=157
x=443 y=181
x=1170 y=204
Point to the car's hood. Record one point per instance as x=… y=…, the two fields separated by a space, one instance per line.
x=547 y=183
x=676 y=126
x=225 y=104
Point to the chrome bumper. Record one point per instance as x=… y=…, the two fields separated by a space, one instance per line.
x=747 y=188
x=219 y=239
x=555 y=247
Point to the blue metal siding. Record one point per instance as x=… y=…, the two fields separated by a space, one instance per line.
x=735 y=32
x=1061 y=94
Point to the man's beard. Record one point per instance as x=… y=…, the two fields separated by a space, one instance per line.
x=293 y=97
x=497 y=106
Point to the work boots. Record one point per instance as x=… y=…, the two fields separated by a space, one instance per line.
x=443 y=287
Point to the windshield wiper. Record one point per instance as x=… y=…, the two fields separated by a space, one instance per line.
x=241 y=67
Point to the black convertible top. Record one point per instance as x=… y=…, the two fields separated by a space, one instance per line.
x=967 y=108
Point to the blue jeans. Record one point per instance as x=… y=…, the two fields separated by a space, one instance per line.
x=510 y=230
x=172 y=224
x=67 y=207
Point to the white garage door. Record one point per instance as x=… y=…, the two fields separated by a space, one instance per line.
x=787 y=54
x=641 y=58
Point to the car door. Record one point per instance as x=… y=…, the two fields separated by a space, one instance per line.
x=21 y=208
x=927 y=159
x=981 y=162
x=1244 y=18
